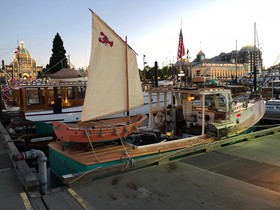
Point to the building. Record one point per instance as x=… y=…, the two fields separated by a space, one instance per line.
x=244 y=56
x=226 y=66
x=217 y=69
x=23 y=64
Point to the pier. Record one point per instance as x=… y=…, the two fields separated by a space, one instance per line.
x=241 y=172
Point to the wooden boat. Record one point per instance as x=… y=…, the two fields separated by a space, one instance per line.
x=62 y=101
x=108 y=91
x=98 y=130
x=47 y=102
x=196 y=115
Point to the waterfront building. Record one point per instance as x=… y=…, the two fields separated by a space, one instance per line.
x=225 y=66
x=217 y=69
x=23 y=64
x=249 y=55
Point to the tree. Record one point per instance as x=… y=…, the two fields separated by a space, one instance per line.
x=58 y=60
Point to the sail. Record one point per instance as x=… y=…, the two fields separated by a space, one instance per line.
x=106 y=92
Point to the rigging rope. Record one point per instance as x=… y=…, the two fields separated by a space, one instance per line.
x=86 y=130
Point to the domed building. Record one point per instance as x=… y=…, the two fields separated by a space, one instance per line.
x=23 y=65
x=225 y=66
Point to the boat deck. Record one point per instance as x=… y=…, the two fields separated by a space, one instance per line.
x=112 y=152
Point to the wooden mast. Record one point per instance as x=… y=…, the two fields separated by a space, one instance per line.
x=126 y=75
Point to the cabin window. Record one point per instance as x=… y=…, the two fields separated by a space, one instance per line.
x=76 y=92
x=215 y=102
x=70 y=93
x=81 y=91
x=51 y=95
x=33 y=96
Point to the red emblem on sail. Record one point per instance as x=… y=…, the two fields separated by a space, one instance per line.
x=105 y=39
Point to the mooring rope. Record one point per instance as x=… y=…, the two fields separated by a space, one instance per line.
x=83 y=174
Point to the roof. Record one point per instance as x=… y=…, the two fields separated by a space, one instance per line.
x=65 y=73
x=201 y=53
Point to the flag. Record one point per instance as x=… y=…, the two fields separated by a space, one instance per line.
x=7 y=93
x=15 y=83
x=181 y=48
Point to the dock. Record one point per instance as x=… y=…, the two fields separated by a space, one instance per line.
x=241 y=172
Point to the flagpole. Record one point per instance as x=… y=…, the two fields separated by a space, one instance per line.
x=181 y=23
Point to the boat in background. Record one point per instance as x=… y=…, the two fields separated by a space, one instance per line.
x=108 y=92
x=47 y=102
x=272 y=105
x=28 y=134
x=197 y=114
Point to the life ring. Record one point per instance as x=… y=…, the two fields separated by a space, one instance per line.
x=159 y=119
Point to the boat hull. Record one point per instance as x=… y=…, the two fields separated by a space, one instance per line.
x=98 y=131
x=65 y=161
x=67 y=115
x=30 y=134
x=73 y=114
x=272 y=110
x=246 y=120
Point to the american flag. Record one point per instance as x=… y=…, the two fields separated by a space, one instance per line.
x=7 y=93
x=181 y=48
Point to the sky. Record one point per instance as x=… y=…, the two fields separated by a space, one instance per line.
x=152 y=27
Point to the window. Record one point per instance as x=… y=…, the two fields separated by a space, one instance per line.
x=32 y=96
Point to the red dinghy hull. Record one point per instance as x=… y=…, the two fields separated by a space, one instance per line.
x=98 y=131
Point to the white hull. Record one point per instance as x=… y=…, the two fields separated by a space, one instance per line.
x=73 y=114
x=250 y=116
x=272 y=111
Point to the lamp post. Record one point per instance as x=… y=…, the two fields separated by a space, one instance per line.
x=144 y=69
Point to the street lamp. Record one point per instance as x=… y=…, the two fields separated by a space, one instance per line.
x=144 y=70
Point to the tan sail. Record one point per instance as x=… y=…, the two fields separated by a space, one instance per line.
x=106 y=87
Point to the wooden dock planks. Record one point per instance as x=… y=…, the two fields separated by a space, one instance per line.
x=115 y=152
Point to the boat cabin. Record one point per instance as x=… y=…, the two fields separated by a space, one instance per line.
x=49 y=96
x=198 y=111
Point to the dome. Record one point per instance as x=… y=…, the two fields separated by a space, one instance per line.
x=23 y=50
x=248 y=48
